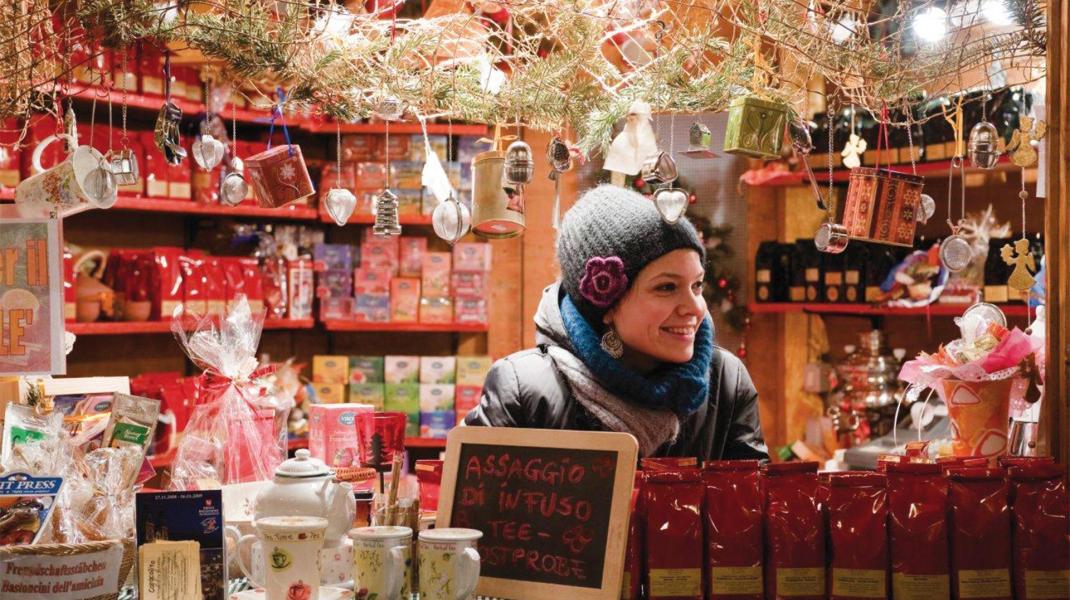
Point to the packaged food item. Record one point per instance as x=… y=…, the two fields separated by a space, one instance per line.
x=155 y=168
x=673 y=508
x=436 y=274
x=438 y=369
x=857 y=512
x=436 y=424
x=215 y=285
x=300 y=279
x=332 y=257
x=380 y=254
x=132 y=422
x=330 y=393
x=470 y=309
x=404 y=299
x=27 y=505
x=429 y=474
x=472 y=370
x=332 y=432
x=794 y=532
x=405 y=397
x=372 y=288
x=1041 y=534
x=918 y=531
x=396 y=147
x=668 y=463
x=436 y=310
x=372 y=394
x=733 y=518
x=412 y=255
x=436 y=397
x=632 y=577
x=371 y=176
x=980 y=533
x=330 y=369
x=23 y=423
x=410 y=202
x=193 y=283
x=402 y=369
x=167 y=289
x=466 y=397
x=469 y=283
x=360 y=147
x=337 y=308
x=366 y=369
x=334 y=284
x=471 y=257
x=1006 y=462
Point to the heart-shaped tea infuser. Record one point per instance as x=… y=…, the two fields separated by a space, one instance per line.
x=671 y=204
x=208 y=151
x=340 y=204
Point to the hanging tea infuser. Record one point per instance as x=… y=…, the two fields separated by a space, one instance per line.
x=123 y=162
x=234 y=187
x=339 y=201
x=560 y=158
x=207 y=151
x=926 y=203
x=831 y=237
x=451 y=219
x=671 y=203
x=99 y=183
x=166 y=136
x=955 y=250
x=385 y=204
x=984 y=141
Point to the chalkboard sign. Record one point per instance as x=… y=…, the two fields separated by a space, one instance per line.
x=552 y=506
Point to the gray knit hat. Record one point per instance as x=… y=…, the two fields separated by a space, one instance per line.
x=606 y=239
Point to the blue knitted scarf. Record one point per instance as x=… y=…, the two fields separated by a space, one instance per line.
x=681 y=388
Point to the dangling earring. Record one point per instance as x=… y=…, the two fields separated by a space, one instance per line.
x=611 y=343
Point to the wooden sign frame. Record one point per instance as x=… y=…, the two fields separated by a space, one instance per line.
x=617 y=536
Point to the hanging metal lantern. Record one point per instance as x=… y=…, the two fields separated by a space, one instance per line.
x=983 y=146
x=496 y=212
x=519 y=163
x=124 y=166
x=386 y=215
x=451 y=220
x=755 y=127
x=699 y=140
x=659 y=168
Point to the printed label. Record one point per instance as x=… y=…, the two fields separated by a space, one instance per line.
x=832 y=293
x=797 y=294
x=811 y=293
x=21 y=435
x=984 y=583
x=833 y=278
x=675 y=582
x=130 y=433
x=852 y=277
x=906 y=586
x=763 y=292
x=800 y=582
x=730 y=581
x=859 y=583
x=813 y=274
x=1047 y=585
x=763 y=275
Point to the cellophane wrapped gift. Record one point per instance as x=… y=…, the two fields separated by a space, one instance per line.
x=231 y=436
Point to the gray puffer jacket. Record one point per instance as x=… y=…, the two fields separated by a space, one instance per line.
x=526 y=389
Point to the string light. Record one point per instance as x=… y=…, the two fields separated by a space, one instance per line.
x=930 y=25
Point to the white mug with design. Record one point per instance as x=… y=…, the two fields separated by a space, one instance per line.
x=336 y=563
x=79 y=182
x=449 y=563
x=382 y=561
x=291 y=555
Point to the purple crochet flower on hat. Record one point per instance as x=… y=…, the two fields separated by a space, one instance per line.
x=604 y=281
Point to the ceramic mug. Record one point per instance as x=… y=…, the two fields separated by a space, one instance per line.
x=291 y=569
x=63 y=187
x=382 y=561
x=336 y=563
x=449 y=563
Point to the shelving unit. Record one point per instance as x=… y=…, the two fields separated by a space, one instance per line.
x=841 y=175
x=934 y=310
x=357 y=326
x=143 y=327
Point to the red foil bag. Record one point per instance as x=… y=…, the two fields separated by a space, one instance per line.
x=857 y=512
x=733 y=518
x=668 y=463
x=917 y=531
x=1041 y=533
x=673 y=508
x=980 y=533
x=166 y=290
x=633 y=557
x=1007 y=462
x=794 y=532
x=194 y=284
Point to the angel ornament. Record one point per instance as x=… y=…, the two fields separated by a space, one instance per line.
x=1021 y=258
x=853 y=151
x=1021 y=145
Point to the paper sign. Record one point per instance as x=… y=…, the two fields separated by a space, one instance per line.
x=32 y=577
x=31 y=296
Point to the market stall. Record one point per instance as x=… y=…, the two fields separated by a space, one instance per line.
x=268 y=268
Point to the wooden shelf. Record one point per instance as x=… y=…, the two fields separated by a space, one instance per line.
x=415 y=442
x=405 y=327
x=841 y=175
x=298 y=213
x=145 y=327
x=935 y=310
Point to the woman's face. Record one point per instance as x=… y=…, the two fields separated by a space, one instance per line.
x=658 y=317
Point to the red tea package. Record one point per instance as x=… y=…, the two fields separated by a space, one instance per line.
x=733 y=518
x=888 y=459
x=1041 y=548
x=1007 y=462
x=668 y=463
x=794 y=532
x=917 y=531
x=193 y=283
x=215 y=285
x=857 y=512
x=673 y=509
x=166 y=291
x=980 y=533
x=633 y=556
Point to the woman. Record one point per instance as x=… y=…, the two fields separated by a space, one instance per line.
x=625 y=343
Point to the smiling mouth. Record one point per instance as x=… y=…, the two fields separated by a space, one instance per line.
x=680 y=331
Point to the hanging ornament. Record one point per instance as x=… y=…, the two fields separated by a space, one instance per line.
x=755 y=127
x=519 y=164
x=983 y=146
x=803 y=145
x=852 y=151
x=386 y=214
x=124 y=162
x=1021 y=258
x=659 y=168
x=699 y=142
x=434 y=177
x=235 y=188
x=208 y=151
x=633 y=144
x=955 y=252
x=671 y=204
x=166 y=133
x=831 y=238
x=451 y=220
x=99 y=185
x=1021 y=145
x=497 y=211
x=340 y=202
x=560 y=158
x=389 y=108
x=926 y=208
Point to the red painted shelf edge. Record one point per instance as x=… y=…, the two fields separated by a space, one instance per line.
x=304 y=213
x=422 y=220
x=135 y=327
x=416 y=442
x=339 y=325
x=936 y=310
x=841 y=175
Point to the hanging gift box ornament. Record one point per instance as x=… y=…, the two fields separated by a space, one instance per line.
x=882 y=205
x=340 y=204
x=671 y=204
x=235 y=188
x=519 y=164
x=386 y=215
x=755 y=127
x=496 y=212
x=208 y=152
x=451 y=220
x=983 y=146
x=926 y=208
x=831 y=238
x=699 y=142
x=279 y=176
x=659 y=168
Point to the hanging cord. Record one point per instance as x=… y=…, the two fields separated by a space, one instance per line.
x=388 y=182
x=277 y=113
x=910 y=136
x=829 y=217
x=123 y=139
x=338 y=152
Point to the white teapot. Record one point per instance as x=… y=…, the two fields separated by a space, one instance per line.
x=304 y=486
